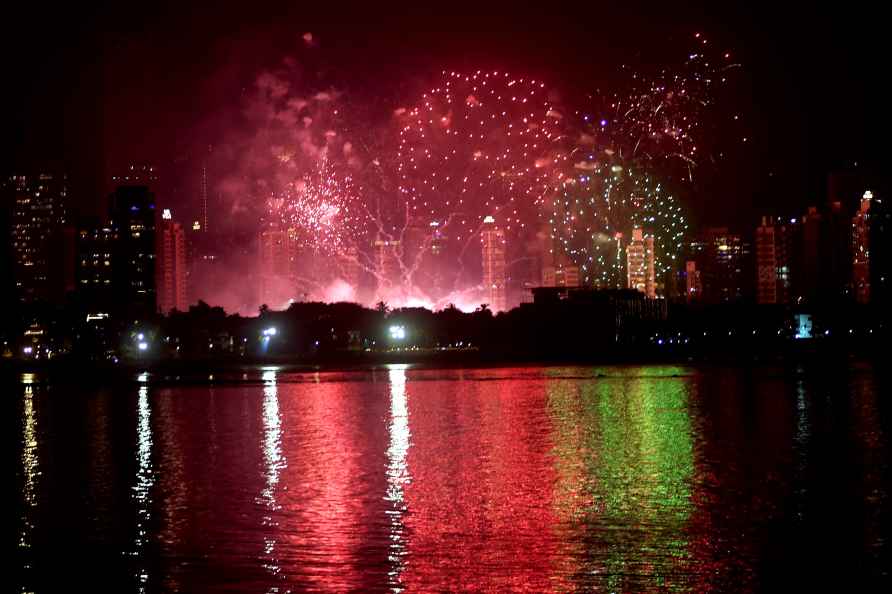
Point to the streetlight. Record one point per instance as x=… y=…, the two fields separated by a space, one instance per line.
x=397 y=334
x=141 y=342
x=265 y=336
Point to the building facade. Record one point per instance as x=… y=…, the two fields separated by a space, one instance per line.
x=774 y=257
x=172 y=265
x=132 y=219
x=723 y=259
x=640 y=263
x=96 y=246
x=861 y=250
x=880 y=250
x=494 y=274
x=39 y=212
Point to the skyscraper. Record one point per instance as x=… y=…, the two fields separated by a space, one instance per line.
x=96 y=246
x=557 y=270
x=861 y=250
x=880 y=250
x=640 y=263
x=807 y=285
x=774 y=252
x=38 y=217
x=493 y=250
x=723 y=260
x=563 y=273
x=132 y=218
x=835 y=253
x=7 y=271
x=171 y=269
x=276 y=255
x=387 y=264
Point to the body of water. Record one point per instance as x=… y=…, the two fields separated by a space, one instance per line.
x=539 y=479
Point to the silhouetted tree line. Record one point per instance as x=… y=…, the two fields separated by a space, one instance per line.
x=555 y=330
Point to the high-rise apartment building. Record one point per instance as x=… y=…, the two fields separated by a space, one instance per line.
x=38 y=218
x=861 y=250
x=835 y=254
x=640 y=263
x=774 y=256
x=172 y=265
x=494 y=278
x=132 y=219
x=96 y=247
x=880 y=250
x=723 y=259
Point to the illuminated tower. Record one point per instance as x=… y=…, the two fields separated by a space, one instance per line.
x=861 y=250
x=774 y=252
x=640 y=263
x=38 y=216
x=171 y=271
x=494 y=281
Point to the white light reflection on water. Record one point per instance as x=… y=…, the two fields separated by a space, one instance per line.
x=801 y=441
x=145 y=479
x=30 y=470
x=274 y=462
x=397 y=471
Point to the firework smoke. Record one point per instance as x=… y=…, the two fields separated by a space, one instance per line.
x=394 y=211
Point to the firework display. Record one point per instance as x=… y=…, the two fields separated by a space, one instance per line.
x=322 y=210
x=493 y=144
x=593 y=214
x=659 y=118
x=631 y=148
x=480 y=144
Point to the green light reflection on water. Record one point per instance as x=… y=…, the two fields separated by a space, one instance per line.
x=623 y=452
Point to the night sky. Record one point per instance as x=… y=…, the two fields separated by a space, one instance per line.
x=88 y=89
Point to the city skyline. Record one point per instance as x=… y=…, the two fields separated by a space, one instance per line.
x=413 y=297
x=330 y=182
